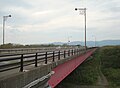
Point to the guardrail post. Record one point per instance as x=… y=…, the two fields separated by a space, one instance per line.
x=68 y=52
x=53 y=56
x=77 y=51
x=59 y=55
x=36 y=60
x=21 y=63
x=64 y=54
x=72 y=52
x=46 y=58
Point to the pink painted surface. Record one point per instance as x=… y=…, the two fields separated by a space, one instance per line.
x=66 y=68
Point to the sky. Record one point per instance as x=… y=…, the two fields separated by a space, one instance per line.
x=47 y=21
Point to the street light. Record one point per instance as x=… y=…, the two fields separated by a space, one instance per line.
x=94 y=40
x=4 y=19
x=69 y=40
x=83 y=12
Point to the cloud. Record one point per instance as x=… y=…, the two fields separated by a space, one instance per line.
x=49 y=21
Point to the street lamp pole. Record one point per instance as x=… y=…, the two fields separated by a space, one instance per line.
x=83 y=12
x=94 y=40
x=4 y=19
x=85 y=28
x=3 y=29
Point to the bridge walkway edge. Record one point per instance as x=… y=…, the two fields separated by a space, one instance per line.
x=63 y=70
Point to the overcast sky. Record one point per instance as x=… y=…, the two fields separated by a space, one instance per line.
x=46 y=21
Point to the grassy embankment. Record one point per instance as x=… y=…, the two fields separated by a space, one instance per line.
x=110 y=64
x=105 y=60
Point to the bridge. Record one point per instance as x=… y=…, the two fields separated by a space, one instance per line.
x=40 y=69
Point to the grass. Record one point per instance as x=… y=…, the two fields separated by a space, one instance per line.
x=110 y=57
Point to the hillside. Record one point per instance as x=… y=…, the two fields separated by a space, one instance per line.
x=92 y=43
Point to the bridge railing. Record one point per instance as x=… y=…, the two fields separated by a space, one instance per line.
x=27 y=50
x=8 y=62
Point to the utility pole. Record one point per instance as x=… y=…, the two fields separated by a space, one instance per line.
x=83 y=12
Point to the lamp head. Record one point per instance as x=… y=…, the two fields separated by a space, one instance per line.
x=76 y=9
x=9 y=15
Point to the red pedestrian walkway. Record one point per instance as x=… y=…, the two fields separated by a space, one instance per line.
x=66 y=68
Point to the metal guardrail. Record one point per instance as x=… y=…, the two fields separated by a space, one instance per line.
x=26 y=50
x=8 y=62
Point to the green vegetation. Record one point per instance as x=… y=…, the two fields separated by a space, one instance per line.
x=11 y=45
x=105 y=61
x=110 y=64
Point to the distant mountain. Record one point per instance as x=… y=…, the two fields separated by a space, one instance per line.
x=58 y=43
x=108 y=42
x=92 y=43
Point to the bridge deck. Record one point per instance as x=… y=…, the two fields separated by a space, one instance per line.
x=66 y=68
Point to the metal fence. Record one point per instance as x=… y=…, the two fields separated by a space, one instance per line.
x=26 y=50
x=8 y=62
